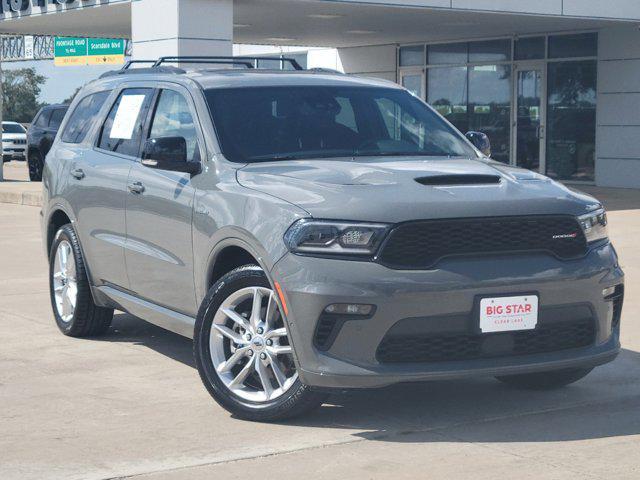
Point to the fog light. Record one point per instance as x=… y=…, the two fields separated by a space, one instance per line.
x=607 y=292
x=349 y=309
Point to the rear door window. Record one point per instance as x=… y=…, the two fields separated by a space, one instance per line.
x=83 y=117
x=122 y=130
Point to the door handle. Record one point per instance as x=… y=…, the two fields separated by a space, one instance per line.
x=78 y=173
x=136 y=187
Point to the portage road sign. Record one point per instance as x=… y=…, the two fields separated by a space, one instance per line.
x=105 y=51
x=70 y=51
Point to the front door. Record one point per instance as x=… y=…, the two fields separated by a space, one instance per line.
x=159 y=249
x=530 y=117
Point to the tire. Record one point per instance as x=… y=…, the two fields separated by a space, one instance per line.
x=85 y=318
x=36 y=166
x=249 y=398
x=546 y=380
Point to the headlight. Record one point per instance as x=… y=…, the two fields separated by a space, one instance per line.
x=594 y=225
x=341 y=238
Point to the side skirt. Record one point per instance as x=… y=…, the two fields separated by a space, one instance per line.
x=150 y=312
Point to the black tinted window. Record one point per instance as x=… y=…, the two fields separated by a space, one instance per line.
x=83 y=116
x=122 y=130
x=277 y=123
x=43 y=119
x=12 y=128
x=56 y=118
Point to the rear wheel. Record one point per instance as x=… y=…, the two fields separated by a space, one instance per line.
x=36 y=165
x=546 y=380
x=73 y=308
x=243 y=353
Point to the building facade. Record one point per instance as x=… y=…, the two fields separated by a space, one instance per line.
x=554 y=83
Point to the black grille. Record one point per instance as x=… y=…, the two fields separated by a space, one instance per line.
x=326 y=331
x=440 y=348
x=416 y=245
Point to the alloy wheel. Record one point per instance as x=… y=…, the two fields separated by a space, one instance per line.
x=65 y=285
x=249 y=346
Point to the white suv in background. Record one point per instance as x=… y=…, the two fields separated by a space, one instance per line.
x=14 y=141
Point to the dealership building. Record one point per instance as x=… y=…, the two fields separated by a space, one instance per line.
x=555 y=84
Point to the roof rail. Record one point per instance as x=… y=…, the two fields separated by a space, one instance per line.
x=248 y=62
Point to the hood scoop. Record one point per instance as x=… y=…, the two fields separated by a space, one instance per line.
x=458 y=179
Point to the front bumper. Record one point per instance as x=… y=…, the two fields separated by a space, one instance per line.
x=429 y=300
x=14 y=152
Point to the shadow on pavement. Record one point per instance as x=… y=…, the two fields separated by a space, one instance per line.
x=605 y=404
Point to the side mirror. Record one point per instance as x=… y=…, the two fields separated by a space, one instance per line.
x=480 y=141
x=169 y=153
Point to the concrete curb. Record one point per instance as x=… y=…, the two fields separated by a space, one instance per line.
x=32 y=199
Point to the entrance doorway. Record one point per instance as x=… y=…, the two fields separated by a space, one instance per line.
x=529 y=125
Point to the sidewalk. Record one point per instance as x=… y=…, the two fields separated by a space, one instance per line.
x=16 y=187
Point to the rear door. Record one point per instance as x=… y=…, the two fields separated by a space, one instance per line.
x=159 y=253
x=100 y=178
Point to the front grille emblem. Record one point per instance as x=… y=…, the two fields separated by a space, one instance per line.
x=565 y=235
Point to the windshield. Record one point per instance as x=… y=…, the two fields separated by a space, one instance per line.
x=284 y=123
x=12 y=128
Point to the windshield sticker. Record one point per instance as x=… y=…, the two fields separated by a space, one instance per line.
x=126 y=116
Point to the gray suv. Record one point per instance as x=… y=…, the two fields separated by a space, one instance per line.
x=315 y=232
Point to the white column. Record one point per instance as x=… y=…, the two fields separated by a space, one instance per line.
x=181 y=27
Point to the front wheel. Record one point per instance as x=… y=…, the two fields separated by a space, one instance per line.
x=546 y=380
x=243 y=353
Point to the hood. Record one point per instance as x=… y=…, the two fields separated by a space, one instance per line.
x=394 y=190
x=13 y=136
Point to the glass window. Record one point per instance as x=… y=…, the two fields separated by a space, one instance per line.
x=122 y=130
x=490 y=106
x=286 y=123
x=571 y=120
x=529 y=48
x=448 y=94
x=83 y=116
x=412 y=56
x=413 y=83
x=566 y=46
x=173 y=118
x=57 y=115
x=448 y=53
x=43 y=119
x=12 y=128
x=270 y=64
x=490 y=51
x=301 y=58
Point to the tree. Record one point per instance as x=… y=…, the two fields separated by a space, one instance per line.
x=20 y=91
x=70 y=98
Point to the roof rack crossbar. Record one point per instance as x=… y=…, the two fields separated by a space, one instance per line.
x=131 y=62
x=248 y=62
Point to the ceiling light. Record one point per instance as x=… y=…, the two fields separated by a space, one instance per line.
x=241 y=25
x=325 y=16
x=361 y=32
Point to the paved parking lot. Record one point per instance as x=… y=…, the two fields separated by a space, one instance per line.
x=131 y=403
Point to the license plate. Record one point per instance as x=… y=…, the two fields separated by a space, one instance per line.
x=507 y=314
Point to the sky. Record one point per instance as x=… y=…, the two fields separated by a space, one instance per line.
x=61 y=81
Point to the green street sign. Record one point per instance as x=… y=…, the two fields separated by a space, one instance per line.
x=70 y=51
x=105 y=46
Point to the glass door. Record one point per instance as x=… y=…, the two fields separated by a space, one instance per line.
x=530 y=116
x=414 y=81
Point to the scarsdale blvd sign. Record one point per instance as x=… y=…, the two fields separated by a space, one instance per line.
x=102 y=51
x=69 y=51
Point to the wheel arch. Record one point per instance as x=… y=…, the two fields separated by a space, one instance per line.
x=228 y=255
x=57 y=219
